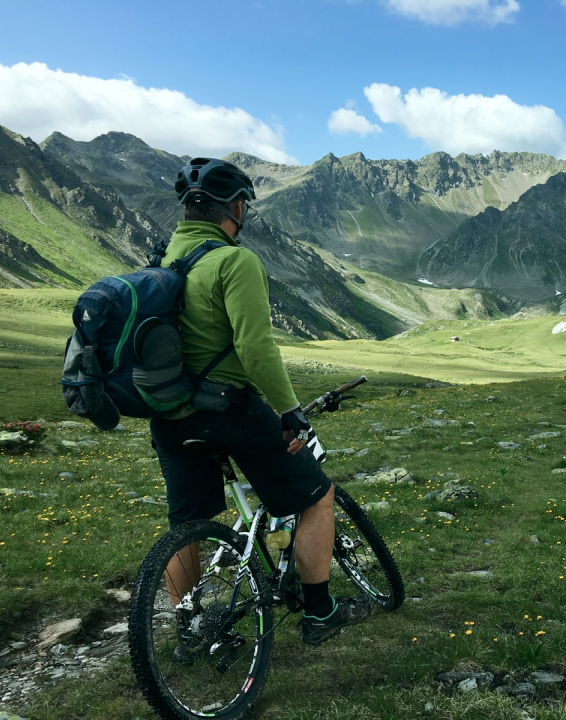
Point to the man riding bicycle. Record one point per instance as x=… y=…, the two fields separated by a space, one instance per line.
x=227 y=314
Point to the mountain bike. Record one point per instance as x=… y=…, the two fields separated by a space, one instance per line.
x=208 y=655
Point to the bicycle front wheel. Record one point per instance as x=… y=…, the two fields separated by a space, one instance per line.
x=363 y=556
x=211 y=658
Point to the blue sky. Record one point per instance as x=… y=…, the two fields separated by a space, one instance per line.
x=290 y=80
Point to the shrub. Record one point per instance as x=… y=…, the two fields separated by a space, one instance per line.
x=20 y=437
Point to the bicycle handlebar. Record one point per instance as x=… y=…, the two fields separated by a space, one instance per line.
x=334 y=395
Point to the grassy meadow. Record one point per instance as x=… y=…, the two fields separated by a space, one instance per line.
x=486 y=587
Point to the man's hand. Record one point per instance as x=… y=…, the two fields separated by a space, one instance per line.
x=294 y=421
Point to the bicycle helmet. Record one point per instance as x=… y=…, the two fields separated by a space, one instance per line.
x=219 y=180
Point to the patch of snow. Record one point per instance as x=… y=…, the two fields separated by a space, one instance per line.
x=347 y=254
x=561 y=327
x=557 y=292
x=424 y=281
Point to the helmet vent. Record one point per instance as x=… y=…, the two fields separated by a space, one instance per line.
x=194 y=175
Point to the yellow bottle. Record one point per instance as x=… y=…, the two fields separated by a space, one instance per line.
x=281 y=538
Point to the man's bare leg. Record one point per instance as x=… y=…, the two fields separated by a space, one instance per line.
x=182 y=572
x=315 y=540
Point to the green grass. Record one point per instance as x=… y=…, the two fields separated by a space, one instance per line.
x=68 y=539
x=34 y=327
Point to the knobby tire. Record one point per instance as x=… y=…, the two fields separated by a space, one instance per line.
x=226 y=683
x=363 y=555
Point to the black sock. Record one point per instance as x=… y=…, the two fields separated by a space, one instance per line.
x=317 y=599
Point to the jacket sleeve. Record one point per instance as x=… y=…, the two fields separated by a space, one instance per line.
x=246 y=297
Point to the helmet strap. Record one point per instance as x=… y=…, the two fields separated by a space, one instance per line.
x=239 y=223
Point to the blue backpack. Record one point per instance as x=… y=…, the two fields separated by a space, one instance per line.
x=125 y=355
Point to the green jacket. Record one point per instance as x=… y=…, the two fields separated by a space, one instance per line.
x=227 y=299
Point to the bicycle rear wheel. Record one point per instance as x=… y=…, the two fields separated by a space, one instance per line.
x=224 y=652
x=363 y=556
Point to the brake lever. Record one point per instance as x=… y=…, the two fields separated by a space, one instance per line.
x=332 y=404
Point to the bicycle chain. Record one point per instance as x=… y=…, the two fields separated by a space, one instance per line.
x=229 y=667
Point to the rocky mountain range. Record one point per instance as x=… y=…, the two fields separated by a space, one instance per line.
x=353 y=247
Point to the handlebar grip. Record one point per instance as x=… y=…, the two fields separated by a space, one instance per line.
x=342 y=389
x=351 y=385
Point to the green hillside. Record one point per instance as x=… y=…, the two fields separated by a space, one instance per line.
x=65 y=254
x=496 y=351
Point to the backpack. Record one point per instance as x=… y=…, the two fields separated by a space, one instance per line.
x=125 y=354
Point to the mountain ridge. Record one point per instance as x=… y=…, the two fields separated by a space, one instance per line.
x=348 y=242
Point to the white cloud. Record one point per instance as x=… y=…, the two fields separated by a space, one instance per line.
x=348 y=121
x=451 y=12
x=36 y=101
x=469 y=123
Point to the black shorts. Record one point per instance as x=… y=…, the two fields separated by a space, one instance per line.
x=251 y=433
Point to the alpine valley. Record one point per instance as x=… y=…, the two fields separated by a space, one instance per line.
x=354 y=248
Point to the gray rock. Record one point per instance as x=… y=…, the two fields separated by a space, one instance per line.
x=148 y=500
x=381 y=505
x=468 y=685
x=19 y=645
x=121 y=596
x=509 y=445
x=445 y=515
x=523 y=689
x=77 y=444
x=544 y=435
x=9 y=439
x=454 y=490
x=59 y=649
x=56 y=633
x=434 y=422
x=114 y=630
x=378 y=427
x=391 y=476
x=545 y=678
x=482 y=678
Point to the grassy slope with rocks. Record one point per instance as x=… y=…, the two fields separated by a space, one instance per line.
x=485 y=580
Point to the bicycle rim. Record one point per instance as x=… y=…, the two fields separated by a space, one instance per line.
x=226 y=655
x=362 y=554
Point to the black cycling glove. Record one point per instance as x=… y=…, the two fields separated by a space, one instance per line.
x=295 y=421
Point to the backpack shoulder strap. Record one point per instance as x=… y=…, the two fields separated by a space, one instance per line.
x=218 y=359
x=159 y=250
x=183 y=265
